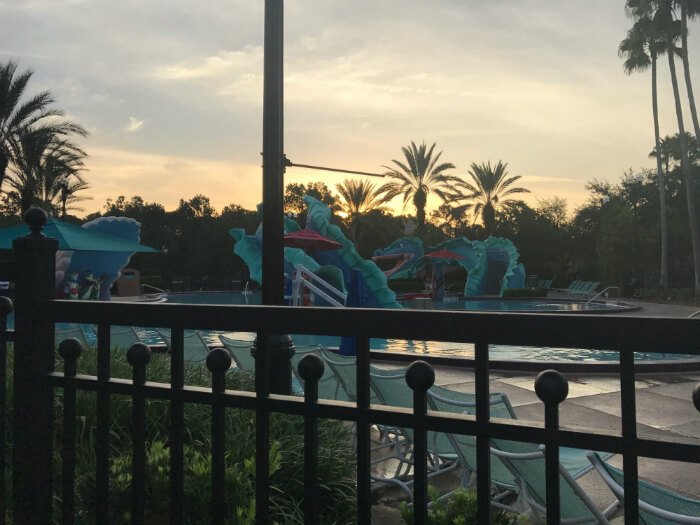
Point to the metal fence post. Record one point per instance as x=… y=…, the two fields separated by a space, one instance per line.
x=280 y=349
x=420 y=376
x=35 y=260
x=5 y=309
x=552 y=388
x=311 y=370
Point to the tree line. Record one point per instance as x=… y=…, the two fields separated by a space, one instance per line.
x=613 y=237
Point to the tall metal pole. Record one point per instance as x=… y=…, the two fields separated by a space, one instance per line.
x=273 y=155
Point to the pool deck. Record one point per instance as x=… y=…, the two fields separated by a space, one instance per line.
x=665 y=411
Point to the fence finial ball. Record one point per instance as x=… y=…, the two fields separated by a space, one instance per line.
x=551 y=387
x=311 y=368
x=35 y=218
x=5 y=306
x=420 y=376
x=696 y=397
x=218 y=360
x=138 y=355
x=70 y=349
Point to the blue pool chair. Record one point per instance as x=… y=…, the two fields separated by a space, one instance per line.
x=196 y=348
x=657 y=505
x=240 y=352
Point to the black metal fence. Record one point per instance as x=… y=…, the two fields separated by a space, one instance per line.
x=35 y=381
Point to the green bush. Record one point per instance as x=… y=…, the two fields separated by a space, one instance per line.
x=525 y=292
x=336 y=468
x=458 y=509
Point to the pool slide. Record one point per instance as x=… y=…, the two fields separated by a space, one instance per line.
x=376 y=293
x=491 y=265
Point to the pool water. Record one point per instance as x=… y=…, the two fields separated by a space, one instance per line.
x=442 y=348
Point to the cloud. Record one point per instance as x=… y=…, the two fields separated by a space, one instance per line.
x=166 y=179
x=134 y=125
x=224 y=64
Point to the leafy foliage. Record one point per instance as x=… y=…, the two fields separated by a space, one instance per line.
x=417 y=176
x=488 y=189
x=458 y=509
x=336 y=454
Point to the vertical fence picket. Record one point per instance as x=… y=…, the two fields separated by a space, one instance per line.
x=262 y=433
x=138 y=356
x=5 y=309
x=69 y=350
x=629 y=435
x=102 y=431
x=420 y=376
x=177 y=426
x=552 y=388
x=311 y=370
x=364 y=460
x=218 y=363
x=483 y=442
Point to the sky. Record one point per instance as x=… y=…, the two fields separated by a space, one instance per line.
x=171 y=90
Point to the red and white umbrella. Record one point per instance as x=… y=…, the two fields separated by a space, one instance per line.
x=310 y=240
x=444 y=254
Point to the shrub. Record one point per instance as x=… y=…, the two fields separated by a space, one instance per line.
x=336 y=467
x=458 y=509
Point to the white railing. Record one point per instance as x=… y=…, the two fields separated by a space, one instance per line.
x=604 y=292
x=154 y=295
x=305 y=279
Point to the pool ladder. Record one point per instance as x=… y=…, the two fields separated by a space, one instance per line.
x=604 y=292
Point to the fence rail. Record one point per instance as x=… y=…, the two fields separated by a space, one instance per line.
x=35 y=381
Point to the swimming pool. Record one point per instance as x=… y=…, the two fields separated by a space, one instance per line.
x=497 y=352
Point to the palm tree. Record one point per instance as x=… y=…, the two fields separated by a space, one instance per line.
x=16 y=115
x=668 y=25
x=417 y=177
x=669 y=29
x=42 y=160
x=489 y=187
x=358 y=198
x=640 y=50
x=689 y=9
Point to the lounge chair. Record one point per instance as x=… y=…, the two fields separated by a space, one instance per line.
x=573 y=461
x=74 y=332
x=196 y=348
x=588 y=289
x=464 y=446
x=123 y=337
x=345 y=370
x=657 y=505
x=329 y=386
x=544 y=283
x=240 y=352
x=391 y=389
x=526 y=462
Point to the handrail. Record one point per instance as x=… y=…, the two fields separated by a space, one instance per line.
x=601 y=293
x=694 y=314
x=157 y=290
x=300 y=280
